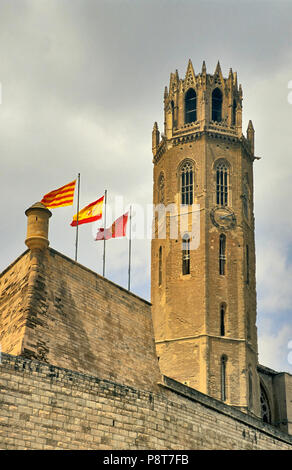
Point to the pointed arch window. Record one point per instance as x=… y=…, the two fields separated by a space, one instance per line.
x=187 y=183
x=190 y=106
x=186 y=254
x=222 y=176
x=217 y=105
x=222 y=254
x=222 y=319
x=172 y=107
x=223 y=377
x=160 y=267
x=173 y=113
x=265 y=407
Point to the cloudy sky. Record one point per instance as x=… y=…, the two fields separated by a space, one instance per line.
x=82 y=83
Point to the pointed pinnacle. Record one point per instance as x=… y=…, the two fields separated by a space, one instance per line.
x=218 y=68
x=250 y=126
x=204 y=69
x=155 y=127
x=190 y=68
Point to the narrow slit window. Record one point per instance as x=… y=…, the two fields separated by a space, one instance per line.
x=161 y=188
x=245 y=201
x=234 y=113
x=250 y=390
x=186 y=255
x=247 y=263
x=222 y=319
x=248 y=331
x=187 y=184
x=160 y=266
x=222 y=254
x=223 y=378
x=173 y=114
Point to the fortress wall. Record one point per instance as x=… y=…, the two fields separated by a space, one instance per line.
x=78 y=320
x=14 y=295
x=46 y=407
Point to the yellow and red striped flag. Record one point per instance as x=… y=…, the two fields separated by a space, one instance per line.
x=60 y=197
x=89 y=213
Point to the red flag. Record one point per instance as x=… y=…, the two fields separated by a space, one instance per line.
x=118 y=229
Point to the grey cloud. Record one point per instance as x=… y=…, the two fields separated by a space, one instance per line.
x=83 y=83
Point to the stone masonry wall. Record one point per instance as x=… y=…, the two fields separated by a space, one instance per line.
x=46 y=407
x=78 y=320
x=14 y=303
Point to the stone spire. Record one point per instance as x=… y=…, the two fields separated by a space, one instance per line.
x=250 y=135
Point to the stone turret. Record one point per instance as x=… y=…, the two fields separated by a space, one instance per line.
x=37 y=226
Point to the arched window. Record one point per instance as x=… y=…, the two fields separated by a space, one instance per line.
x=222 y=184
x=217 y=105
x=265 y=407
x=160 y=267
x=187 y=183
x=250 y=390
x=222 y=254
x=233 y=120
x=161 y=188
x=186 y=254
x=190 y=106
x=222 y=319
x=223 y=377
x=247 y=263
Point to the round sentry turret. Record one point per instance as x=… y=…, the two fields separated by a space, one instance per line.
x=37 y=226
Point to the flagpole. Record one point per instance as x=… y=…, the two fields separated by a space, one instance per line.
x=78 y=196
x=130 y=247
x=105 y=197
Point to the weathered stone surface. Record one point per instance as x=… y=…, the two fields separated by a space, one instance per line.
x=70 y=410
x=57 y=311
x=186 y=308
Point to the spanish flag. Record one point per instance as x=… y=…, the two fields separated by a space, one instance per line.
x=90 y=213
x=60 y=197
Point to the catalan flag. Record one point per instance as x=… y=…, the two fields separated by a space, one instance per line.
x=90 y=213
x=60 y=197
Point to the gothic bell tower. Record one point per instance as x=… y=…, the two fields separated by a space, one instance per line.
x=204 y=296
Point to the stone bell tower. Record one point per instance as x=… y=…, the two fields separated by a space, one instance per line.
x=204 y=297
